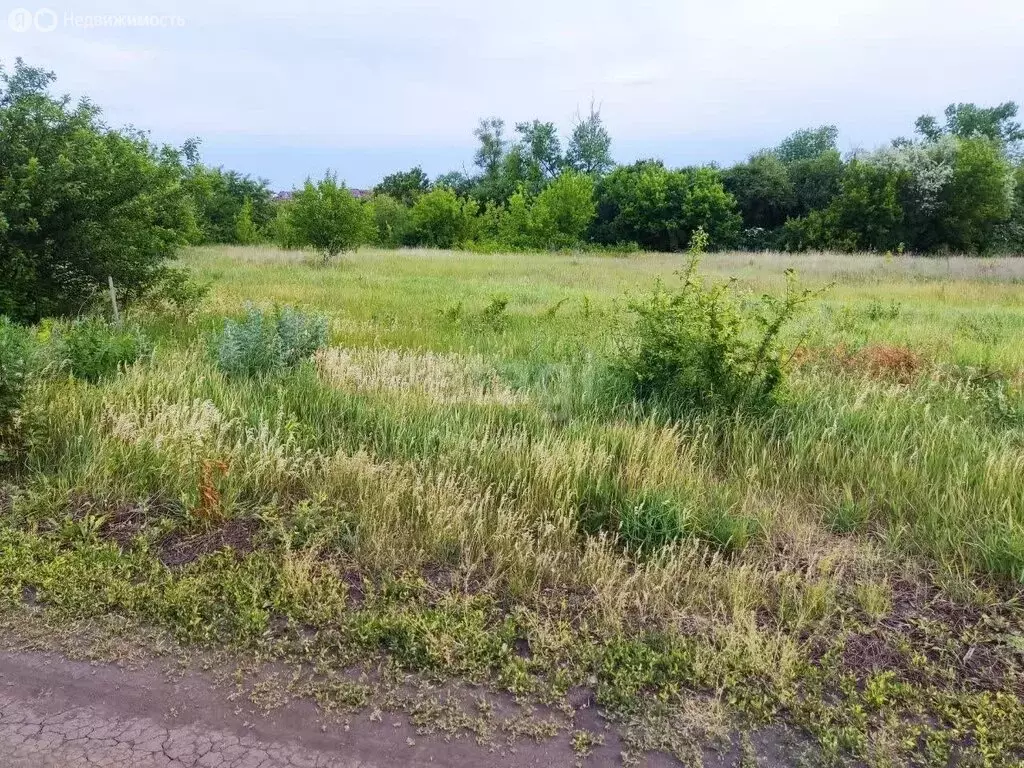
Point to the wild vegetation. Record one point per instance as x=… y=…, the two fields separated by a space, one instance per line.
x=710 y=494
x=453 y=481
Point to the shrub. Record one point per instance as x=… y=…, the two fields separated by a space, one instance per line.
x=178 y=289
x=703 y=348
x=327 y=217
x=80 y=203
x=230 y=207
x=14 y=351
x=441 y=219
x=266 y=342
x=280 y=229
x=245 y=229
x=564 y=211
x=390 y=221
x=92 y=349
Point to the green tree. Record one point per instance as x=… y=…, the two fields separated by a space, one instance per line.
x=456 y=181
x=541 y=153
x=491 y=135
x=514 y=225
x=219 y=196
x=80 y=202
x=968 y=121
x=327 y=217
x=659 y=209
x=589 y=149
x=563 y=212
x=441 y=219
x=867 y=215
x=978 y=198
x=391 y=221
x=764 y=192
x=807 y=144
x=404 y=186
x=816 y=181
x=1012 y=232
x=245 y=229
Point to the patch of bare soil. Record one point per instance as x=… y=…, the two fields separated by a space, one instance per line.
x=180 y=548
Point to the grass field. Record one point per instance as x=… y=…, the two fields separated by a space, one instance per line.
x=444 y=491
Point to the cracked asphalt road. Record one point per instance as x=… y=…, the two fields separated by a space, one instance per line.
x=56 y=713
x=81 y=736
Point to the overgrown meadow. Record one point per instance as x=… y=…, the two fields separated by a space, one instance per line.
x=448 y=486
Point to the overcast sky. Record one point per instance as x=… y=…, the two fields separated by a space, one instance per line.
x=286 y=89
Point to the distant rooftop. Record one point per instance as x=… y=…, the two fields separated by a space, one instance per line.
x=359 y=194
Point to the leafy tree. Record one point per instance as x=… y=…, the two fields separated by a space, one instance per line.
x=404 y=186
x=514 y=222
x=441 y=219
x=816 y=180
x=660 y=209
x=589 y=149
x=327 y=217
x=281 y=231
x=541 y=152
x=80 y=202
x=563 y=212
x=219 y=196
x=866 y=215
x=391 y=221
x=245 y=229
x=456 y=181
x=764 y=192
x=491 y=135
x=1011 y=234
x=925 y=170
x=807 y=144
x=814 y=166
x=503 y=166
x=978 y=198
x=968 y=121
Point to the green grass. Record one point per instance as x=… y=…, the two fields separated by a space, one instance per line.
x=850 y=564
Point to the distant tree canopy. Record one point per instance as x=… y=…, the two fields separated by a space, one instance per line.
x=967 y=121
x=222 y=197
x=590 y=147
x=658 y=208
x=957 y=187
x=404 y=186
x=80 y=202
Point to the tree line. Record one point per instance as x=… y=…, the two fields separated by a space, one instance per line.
x=81 y=202
x=956 y=185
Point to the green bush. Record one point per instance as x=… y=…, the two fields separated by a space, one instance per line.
x=14 y=351
x=80 y=203
x=92 y=349
x=390 y=220
x=178 y=290
x=327 y=217
x=563 y=212
x=703 y=348
x=441 y=219
x=269 y=341
x=230 y=207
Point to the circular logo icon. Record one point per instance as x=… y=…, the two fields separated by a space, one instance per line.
x=20 y=20
x=46 y=20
